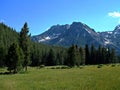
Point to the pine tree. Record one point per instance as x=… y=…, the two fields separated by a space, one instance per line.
x=2 y=56
x=87 y=55
x=108 y=56
x=15 y=58
x=50 y=58
x=71 y=56
x=82 y=55
x=104 y=54
x=99 y=55
x=25 y=44
x=113 y=56
x=36 y=55
x=77 y=56
x=93 y=55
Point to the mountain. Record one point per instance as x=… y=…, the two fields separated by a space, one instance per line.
x=66 y=35
x=80 y=34
x=51 y=34
x=112 y=38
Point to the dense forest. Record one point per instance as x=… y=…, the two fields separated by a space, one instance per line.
x=17 y=51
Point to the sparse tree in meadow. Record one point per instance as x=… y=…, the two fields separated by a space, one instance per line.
x=25 y=44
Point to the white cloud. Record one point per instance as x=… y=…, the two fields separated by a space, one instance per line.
x=114 y=14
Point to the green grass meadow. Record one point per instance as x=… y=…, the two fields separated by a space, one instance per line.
x=87 y=78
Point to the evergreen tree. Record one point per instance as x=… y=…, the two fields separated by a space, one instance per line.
x=108 y=60
x=82 y=55
x=87 y=55
x=15 y=58
x=113 y=56
x=71 y=56
x=50 y=58
x=7 y=37
x=59 y=58
x=93 y=55
x=104 y=54
x=25 y=44
x=2 y=56
x=36 y=55
x=78 y=59
x=99 y=55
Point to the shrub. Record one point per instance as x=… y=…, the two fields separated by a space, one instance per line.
x=41 y=66
x=53 y=68
x=113 y=65
x=99 y=66
x=81 y=67
x=65 y=67
x=58 y=67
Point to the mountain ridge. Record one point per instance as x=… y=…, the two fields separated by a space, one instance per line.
x=80 y=34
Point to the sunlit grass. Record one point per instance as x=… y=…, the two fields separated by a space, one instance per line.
x=85 y=78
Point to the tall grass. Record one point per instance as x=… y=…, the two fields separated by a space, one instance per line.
x=87 y=78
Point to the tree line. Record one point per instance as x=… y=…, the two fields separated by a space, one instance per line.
x=91 y=55
x=17 y=52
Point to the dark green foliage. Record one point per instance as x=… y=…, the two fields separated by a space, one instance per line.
x=90 y=56
x=99 y=66
x=71 y=58
x=2 y=57
x=113 y=65
x=40 y=54
x=15 y=58
x=50 y=58
x=60 y=57
x=93 y=55
x=99 y=55
x=25 y=44
x=87 y=55
x=37 y=54
x=82 y=56
x=7 y=37
x=65 y=67
x=76 y=56
x=113 y=56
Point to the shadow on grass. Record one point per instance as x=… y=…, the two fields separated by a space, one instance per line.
x=6 y=73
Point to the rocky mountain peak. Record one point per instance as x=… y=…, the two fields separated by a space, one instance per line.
x=80 y=34
x=117 y=29
x=66 y=35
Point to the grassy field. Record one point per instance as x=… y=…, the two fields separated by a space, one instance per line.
x=87 y=78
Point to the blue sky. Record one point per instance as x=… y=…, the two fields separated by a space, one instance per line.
x=102 y=15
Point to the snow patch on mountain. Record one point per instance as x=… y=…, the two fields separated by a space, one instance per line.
x=87 y=30
x=61 y=40
x=107 y=41
x=44 y=39
x=109 y=32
